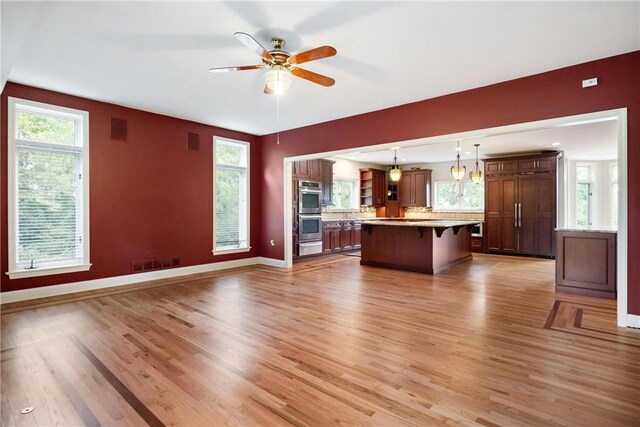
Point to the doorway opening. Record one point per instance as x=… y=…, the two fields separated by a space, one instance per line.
x=564 y=211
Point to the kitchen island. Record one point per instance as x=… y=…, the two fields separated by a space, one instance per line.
x=586 y=262
x=426 y=246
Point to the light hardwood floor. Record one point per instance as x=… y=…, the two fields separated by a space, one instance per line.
x=330 y=342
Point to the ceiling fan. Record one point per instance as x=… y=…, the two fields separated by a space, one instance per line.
x=281 y=64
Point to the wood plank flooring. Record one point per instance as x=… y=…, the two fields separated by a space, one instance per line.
x=327 y=343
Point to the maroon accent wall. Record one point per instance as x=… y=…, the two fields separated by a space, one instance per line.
x=149 y=197
x=548 y=95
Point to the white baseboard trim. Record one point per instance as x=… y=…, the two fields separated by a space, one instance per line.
x=633 y=321
x=272 y=262
x=129 y=279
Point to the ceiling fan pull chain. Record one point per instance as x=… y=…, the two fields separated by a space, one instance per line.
x=278 y=119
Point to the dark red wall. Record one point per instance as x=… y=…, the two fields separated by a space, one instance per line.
x=149 y=197
x=152 y=196
x=543 y=96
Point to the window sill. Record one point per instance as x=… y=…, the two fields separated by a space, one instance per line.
x=47 y=271
x=230 y=251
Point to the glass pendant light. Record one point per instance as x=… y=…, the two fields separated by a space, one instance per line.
x=394 y=171
x=278 y=79
x=458 y=171
x=476 y=173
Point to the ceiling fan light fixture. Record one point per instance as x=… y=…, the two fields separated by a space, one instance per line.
x=278 y=79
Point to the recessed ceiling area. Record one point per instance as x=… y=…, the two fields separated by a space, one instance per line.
x=586 y=141
x=155 y=56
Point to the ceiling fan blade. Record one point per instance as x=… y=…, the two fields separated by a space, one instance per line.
x=267 y=90
x=312 y=55
x=252 y=44
x=238 y=68
x=313 y=77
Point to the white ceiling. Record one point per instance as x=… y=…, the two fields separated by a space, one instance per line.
x=155 y=56
x=590 y=141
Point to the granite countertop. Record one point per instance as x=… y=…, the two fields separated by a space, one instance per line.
x=401 y=219
x=588 y=230
x=433 y=223
x=353 y=219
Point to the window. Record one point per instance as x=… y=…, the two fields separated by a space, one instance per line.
x=231 y=201
x=344 y=194
x=48 y=165
x=613 y=179
x=458 y=196
x=584 y=195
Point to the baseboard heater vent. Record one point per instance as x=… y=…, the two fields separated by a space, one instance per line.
x=154 y=264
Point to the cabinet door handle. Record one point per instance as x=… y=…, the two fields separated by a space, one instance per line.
x=515 y=214
x=520 y=215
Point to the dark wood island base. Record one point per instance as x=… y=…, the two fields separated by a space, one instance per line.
x=422 y=246
x=586 y=262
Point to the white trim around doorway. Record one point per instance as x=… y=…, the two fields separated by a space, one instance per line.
x=623 y=318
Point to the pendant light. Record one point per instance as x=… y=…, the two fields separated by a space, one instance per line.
x=476 y=173
x=394 y=171
x=458 y=171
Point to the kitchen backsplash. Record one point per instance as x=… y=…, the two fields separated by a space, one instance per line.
x=427 y=213
x=363 y=212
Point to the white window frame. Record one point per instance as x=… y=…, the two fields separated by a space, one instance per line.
x=613 y=193
x=247 y=216
x=354 y=194
x=459 y=209
x=82 y=120
x=592 y=215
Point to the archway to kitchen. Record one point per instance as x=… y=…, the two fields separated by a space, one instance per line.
x=619 y=115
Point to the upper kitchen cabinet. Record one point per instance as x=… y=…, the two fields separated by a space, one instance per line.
x=327 y=181
x=500 y=167
x=415 y=188
x=307 y=170
x=541 y=164
x=373 y=187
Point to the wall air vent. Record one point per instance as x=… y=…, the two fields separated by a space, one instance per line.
x=119 y=131
x=154 y=264
x=193 y=141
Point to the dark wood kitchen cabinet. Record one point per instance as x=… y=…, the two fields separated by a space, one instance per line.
x=541 y=164
x=500 y=167
x=373 y=187
x=346 y=237
x=307 y=170
x=477 y=244
x=500 y=214
x=327 y=181
x=331 y=236
x=586 y=262
x=415 y=188
x=520 y=207
x=339 y=236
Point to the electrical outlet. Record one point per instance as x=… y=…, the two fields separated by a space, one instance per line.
x=590 y=82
